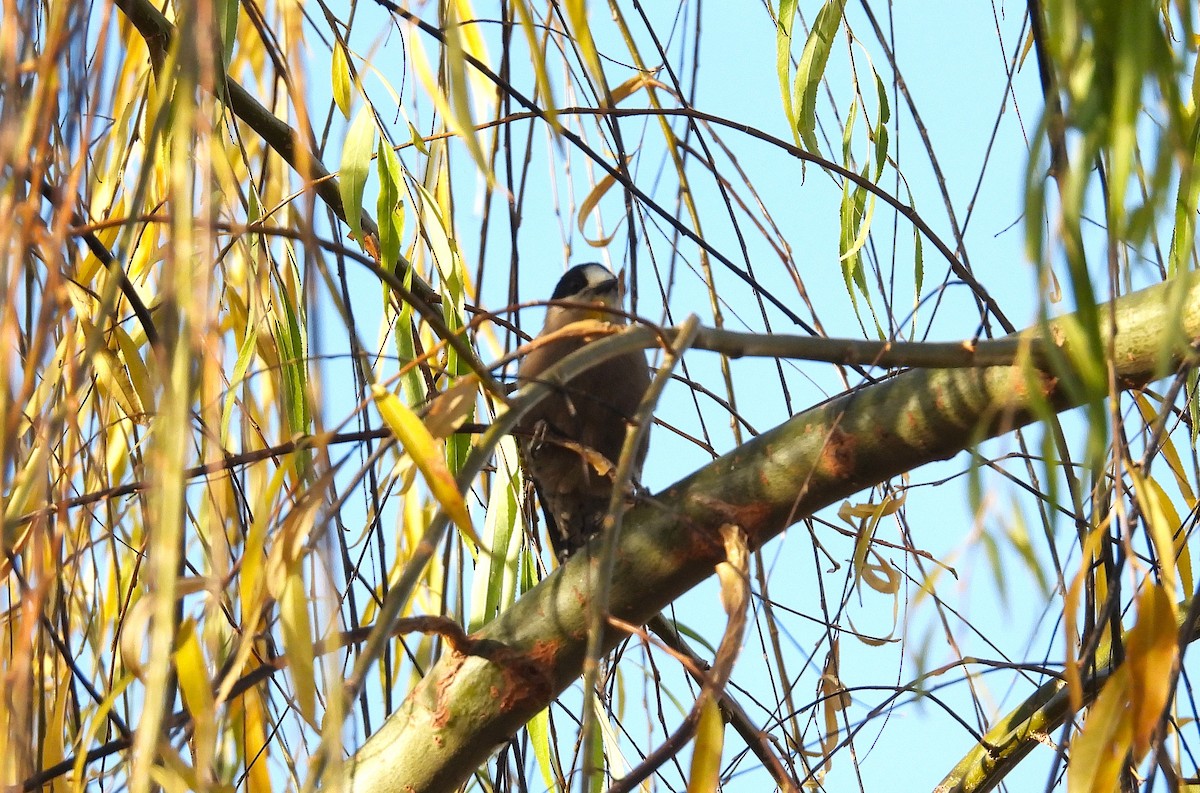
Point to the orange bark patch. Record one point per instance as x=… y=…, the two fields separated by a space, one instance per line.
x=526 y=676
x=440 y=715
x=838 y=454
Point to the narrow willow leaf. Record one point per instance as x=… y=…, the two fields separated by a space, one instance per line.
x=1162 y=523
x=356 y=160
x=99 y=720
x=227 y=22
x=426 y=452
x=539 y=740
x=196 y=688
x=811 y=69
x=1151 y=652
x=298 y=645
x=340 y=79
x=880 y=131
x=545 y=91
x=451 y=99
x=452 y=407
x=389 y=207
x=290 y=341
x=135 y=367
x=1098 y=752
x=588 y=205
x=705 y=775
x=783 y=61
x=577 y=17
x=113 y=380
x=237 y=378
x=634 y=84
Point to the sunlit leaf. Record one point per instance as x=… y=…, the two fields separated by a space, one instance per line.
x=298 y=644
x=356 y=161
x=539 y=741
x=705 y=773
x=1098 y=752
x=196 y=687
x=340 y=79
x=581 y=29
x=1151 y=652
x=1162 y=524
x=588 y=205
x=427 y=453
x=811 y=69
x=785 y=20
x=389 y=207
x=545 y=91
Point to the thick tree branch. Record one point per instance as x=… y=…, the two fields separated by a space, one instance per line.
x=467 y=704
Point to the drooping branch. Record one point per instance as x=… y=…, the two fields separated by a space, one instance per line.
x=468 y=704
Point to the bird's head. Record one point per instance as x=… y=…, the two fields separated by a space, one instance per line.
x=587 y=283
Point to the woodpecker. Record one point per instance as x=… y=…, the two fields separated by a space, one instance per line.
x=571 y=441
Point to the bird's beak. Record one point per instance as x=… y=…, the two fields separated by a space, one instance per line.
x=607 y=295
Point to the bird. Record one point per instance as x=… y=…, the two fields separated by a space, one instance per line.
x=570 y=441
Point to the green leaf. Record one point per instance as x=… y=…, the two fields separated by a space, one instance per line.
x=237 y=378
x=496 y=582
x=880 y=132
x=356 y=158
x=227 y=22
x=812 y=68
x=783 y=54
x=389 y=208
x=539 y=741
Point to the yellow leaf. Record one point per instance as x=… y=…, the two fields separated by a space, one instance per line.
x=706 y=756
x=290 y=545
x=834 y=699
x=426 y=452
x=1150 y=654
x=450 y=94
x=51 y=747
x=31 y=488
x=582 y=30
x=135 y=368
x=1162 y=523
x=537 y=52
x=298 y=645
x=113 y=380
x=589 y=204
x=196 y=688
x=253 y=582
x=247 y=718
x=1071 y=601
x=1168 y=452
x=633 y=85
x=881 y=576
x=341 y=79
x=1098 y=752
